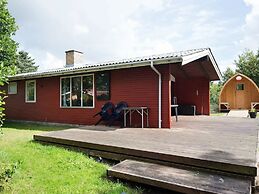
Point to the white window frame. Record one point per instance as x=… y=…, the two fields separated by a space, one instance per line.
x=35 y=92
x=13 y=84
x=70 y=77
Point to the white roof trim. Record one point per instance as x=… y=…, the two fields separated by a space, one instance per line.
x=189 y=58
x=215 y=65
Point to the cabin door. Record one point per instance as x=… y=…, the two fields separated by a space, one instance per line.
x=240 y=95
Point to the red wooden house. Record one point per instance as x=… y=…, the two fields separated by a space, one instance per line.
x=73 y=94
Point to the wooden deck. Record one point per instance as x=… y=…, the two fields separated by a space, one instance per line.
x=219 y=143
x=184 y=180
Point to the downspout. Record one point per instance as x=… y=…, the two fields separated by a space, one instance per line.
x=159 y=93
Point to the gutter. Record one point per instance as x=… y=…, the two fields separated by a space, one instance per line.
x=159 y=94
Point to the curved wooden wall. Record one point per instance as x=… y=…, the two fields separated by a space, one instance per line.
x=230 y=95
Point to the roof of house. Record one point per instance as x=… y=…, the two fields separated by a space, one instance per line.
x=182 y=57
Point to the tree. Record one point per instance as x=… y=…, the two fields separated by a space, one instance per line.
x=215 y=89
x=8 y=47
x=214 y=96
x=248 y=64
x=228 y=73
x=25 y=63
x=4 y=71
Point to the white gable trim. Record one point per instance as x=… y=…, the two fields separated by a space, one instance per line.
x=193 y=57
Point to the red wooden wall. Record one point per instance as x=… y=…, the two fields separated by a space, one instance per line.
x=136 y=86
x=186 y=93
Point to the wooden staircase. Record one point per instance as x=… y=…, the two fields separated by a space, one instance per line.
x=181 y=179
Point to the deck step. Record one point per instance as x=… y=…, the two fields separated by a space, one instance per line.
x=185 y=180
x=238 y=113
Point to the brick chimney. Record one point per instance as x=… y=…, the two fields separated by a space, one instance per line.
x=73 y=58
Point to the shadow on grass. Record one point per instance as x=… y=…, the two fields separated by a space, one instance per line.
x=140 y=188
x=34 y=126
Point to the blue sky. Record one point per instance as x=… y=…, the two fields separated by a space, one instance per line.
x=114 y=29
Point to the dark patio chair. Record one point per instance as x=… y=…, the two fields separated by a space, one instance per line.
x=118 y=113
x=106 y=112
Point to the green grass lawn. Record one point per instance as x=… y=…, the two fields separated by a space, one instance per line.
x=49 y=169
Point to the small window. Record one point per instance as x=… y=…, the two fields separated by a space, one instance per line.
x=240 y=86
x=103 y=86
x=30 y=91
x=12 y=88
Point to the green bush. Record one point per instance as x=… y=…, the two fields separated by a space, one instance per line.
x=2 y=115
x=214 y=108
x=6 y=173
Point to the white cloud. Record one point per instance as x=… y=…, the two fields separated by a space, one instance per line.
x=101 y=29
x=251 y=27
x=81 y=29
x=227 y=63
x=50 y=61
x=112 y=29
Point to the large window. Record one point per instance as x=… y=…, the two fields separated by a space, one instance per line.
x=30 y=91
x=12 y=88
x=103 y=86
x=77 y=91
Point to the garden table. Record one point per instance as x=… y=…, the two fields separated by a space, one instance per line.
x=142 y=110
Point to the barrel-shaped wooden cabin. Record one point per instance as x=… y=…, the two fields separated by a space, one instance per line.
x=239 y=92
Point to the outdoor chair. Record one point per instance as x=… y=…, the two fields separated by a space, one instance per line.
x=117 y=115
x=106 y=112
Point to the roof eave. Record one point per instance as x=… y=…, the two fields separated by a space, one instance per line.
x=189 y=58
x=214 y=63
x=99 y=68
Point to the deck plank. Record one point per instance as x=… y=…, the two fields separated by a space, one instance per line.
x=186 y=180
x=221 y=143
